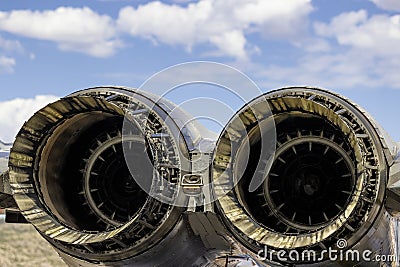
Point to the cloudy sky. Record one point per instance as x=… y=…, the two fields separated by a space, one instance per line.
x=51 y=48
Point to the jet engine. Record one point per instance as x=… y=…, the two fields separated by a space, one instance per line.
x=70 y=178
x=114 y=176
x=325 y=187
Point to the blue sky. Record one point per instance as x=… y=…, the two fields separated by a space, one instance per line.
x=51 y=48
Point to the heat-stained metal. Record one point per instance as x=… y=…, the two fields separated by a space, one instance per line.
x=327 y=182
x=113 y=176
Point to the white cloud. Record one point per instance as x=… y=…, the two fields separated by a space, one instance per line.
x=7 y=64
x=10 y=45
x=353 y=50
x=391 y=5
x=315 y=45
x=76 y=29
x=337 y=70
x=223 y=24
x=378 y=35
x=285 y=20
x=13 y=113
x=363 y=51
x=182 y=1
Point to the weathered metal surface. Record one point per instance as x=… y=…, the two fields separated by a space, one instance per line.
x=228 y=232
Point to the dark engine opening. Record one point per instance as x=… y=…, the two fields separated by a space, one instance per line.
x=311 y=179
x=84 y=179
